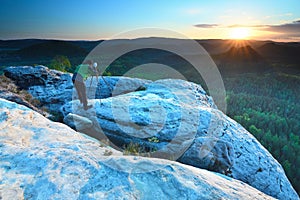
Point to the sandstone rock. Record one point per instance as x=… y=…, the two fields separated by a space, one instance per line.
x=217 y=155
x=108 y=86
x=18 y=99
x=27 y=76
x=178 y=120
x=54 y=88
x=76 y=121
x=41 y=159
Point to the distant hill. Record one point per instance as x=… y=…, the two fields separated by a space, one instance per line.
x=18 y=44
x=241 y=60
x=245 y=54
x=87 y=45
x=288 y=53
x=229 y=55
x=217 y=46
x=50 y=49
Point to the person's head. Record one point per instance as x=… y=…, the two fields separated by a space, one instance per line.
x=95 y=65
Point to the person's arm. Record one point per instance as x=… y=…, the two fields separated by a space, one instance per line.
x=92 y=71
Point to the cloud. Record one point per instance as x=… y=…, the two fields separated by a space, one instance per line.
x=245 y=26
x=207 y=25
x=228 y=26
x=287 y=31
x=292 y=28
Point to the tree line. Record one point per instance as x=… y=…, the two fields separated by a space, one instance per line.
x=267 y=105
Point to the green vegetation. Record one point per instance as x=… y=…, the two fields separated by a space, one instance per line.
x=133 y=149
x=106 y=73
x=61 y=63
x=153 y=139
x=107 y=152
x=1 y=69
x=140 y=150
x=268 y=106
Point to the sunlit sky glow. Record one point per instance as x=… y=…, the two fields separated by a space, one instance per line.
x=99 y=19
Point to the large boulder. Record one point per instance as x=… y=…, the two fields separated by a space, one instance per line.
x=77 y=122
x=177 y=120
x=27 y=76
x=54 y=88
x=107 y=86
x=41 y=159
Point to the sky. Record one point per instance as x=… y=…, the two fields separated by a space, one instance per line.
x=104 y=19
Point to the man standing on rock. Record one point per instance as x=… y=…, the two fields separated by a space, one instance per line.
x=81 y=73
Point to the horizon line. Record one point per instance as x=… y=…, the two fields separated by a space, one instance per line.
x=97 y=40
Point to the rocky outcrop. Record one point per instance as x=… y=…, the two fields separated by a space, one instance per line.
x=108 y=86
x=175 y=119
x=9 y=91
x=170 y=119
x=77 y=122
x=41 y=159
x=54 y=88
x=18 y=99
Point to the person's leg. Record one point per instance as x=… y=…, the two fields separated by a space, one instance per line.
x=79 y=91
x=76 y=79
x=83 y=94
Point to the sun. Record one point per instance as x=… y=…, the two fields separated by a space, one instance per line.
x=239 y=33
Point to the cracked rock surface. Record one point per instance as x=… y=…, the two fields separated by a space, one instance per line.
x=177 y=120
x=40 y=159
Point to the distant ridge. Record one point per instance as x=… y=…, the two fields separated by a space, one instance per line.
x=19 y=44
x=241 y=60
x=251 y=54
x=51 y=49
x=245 y=54
x=287 y=53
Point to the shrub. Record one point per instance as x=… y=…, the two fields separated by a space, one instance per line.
x=61 y=63
x=107 y=153
x=153 y=139
x=133 y=149
x=106 y=73
x=8 y=84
